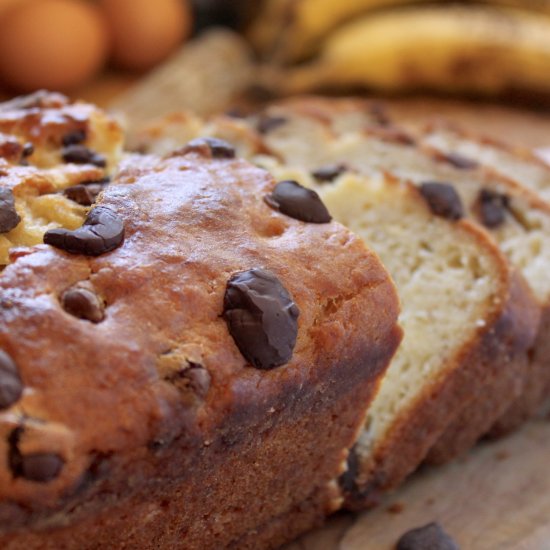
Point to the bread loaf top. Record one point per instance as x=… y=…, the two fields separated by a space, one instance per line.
x=110 y=357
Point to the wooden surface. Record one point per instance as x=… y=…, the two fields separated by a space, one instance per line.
x=496 y=498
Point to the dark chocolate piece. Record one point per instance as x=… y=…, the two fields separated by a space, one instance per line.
x=78 y=154
x=41 y=467
x=11 y=386
x=28 y=150
x=211 y=147
x=84 y=194
x=74 y=137
x=84 y=304
x=443 y=200
x=102 y=232
x=460 y=161
x=294 y=200
x=9 y=218
x=428 y=537
x=38 y=467
x=268 y=123
x=492 y=208
x=328 y=173
x=261 y=317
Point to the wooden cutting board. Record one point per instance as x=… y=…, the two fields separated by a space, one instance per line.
x=495 y=498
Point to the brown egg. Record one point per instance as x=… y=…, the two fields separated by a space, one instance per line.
x=144 y=32
x=55 y=44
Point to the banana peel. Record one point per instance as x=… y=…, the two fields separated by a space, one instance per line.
x=451 y=49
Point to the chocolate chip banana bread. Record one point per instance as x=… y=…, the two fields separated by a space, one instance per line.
x=190 y=367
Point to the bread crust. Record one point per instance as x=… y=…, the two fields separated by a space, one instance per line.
x=143 y=460
x=509 y=376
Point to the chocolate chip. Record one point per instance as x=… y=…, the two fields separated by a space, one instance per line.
x=492 y=207
x=294 y=200
x=28 y=150
x=74 y=137
x=41 y=467
x=102 y=232
x=328 y=173
x=11 y=386
x=38 y=467
x=268 y=123
x=348 y=480
x=211 y=147
x=84 y=194
x=443 y=200
x=9 y=218
x=261 y=317
x=392 y=134
x=78 y=154
x=84 y=304
x=461 y=162
x=429 y=537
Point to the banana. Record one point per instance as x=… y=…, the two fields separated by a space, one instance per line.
x=476 y=49
x=534 y=5
x=287 y=30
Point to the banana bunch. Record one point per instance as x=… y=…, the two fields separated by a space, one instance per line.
x=488 y=47
x=289 y=30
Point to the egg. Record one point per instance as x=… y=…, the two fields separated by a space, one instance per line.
x=144 y=32
x=55 y=44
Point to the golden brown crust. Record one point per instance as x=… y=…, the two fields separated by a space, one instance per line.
x=94 y=394
x=508 y=376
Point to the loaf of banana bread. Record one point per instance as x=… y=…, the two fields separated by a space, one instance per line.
x=190 y=367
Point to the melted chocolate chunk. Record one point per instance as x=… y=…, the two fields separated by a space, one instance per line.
x=38 y=467
x=429 y=537
x=11 y=386
x=84 y=304
x=443 y=200
x=328 y=173
x=261 y=317
x=102 y=232
x=9 y=218
x=78 y=154
x=348 y=480
x=28 y=150
x=74 y=137
x=268 y=123
x=41 y=467
x=461 y=162
x=492 y=208
x=294 y=200
x=84 y=194
x=211 y=147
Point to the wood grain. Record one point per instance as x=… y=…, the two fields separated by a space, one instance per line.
x=496 y=498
